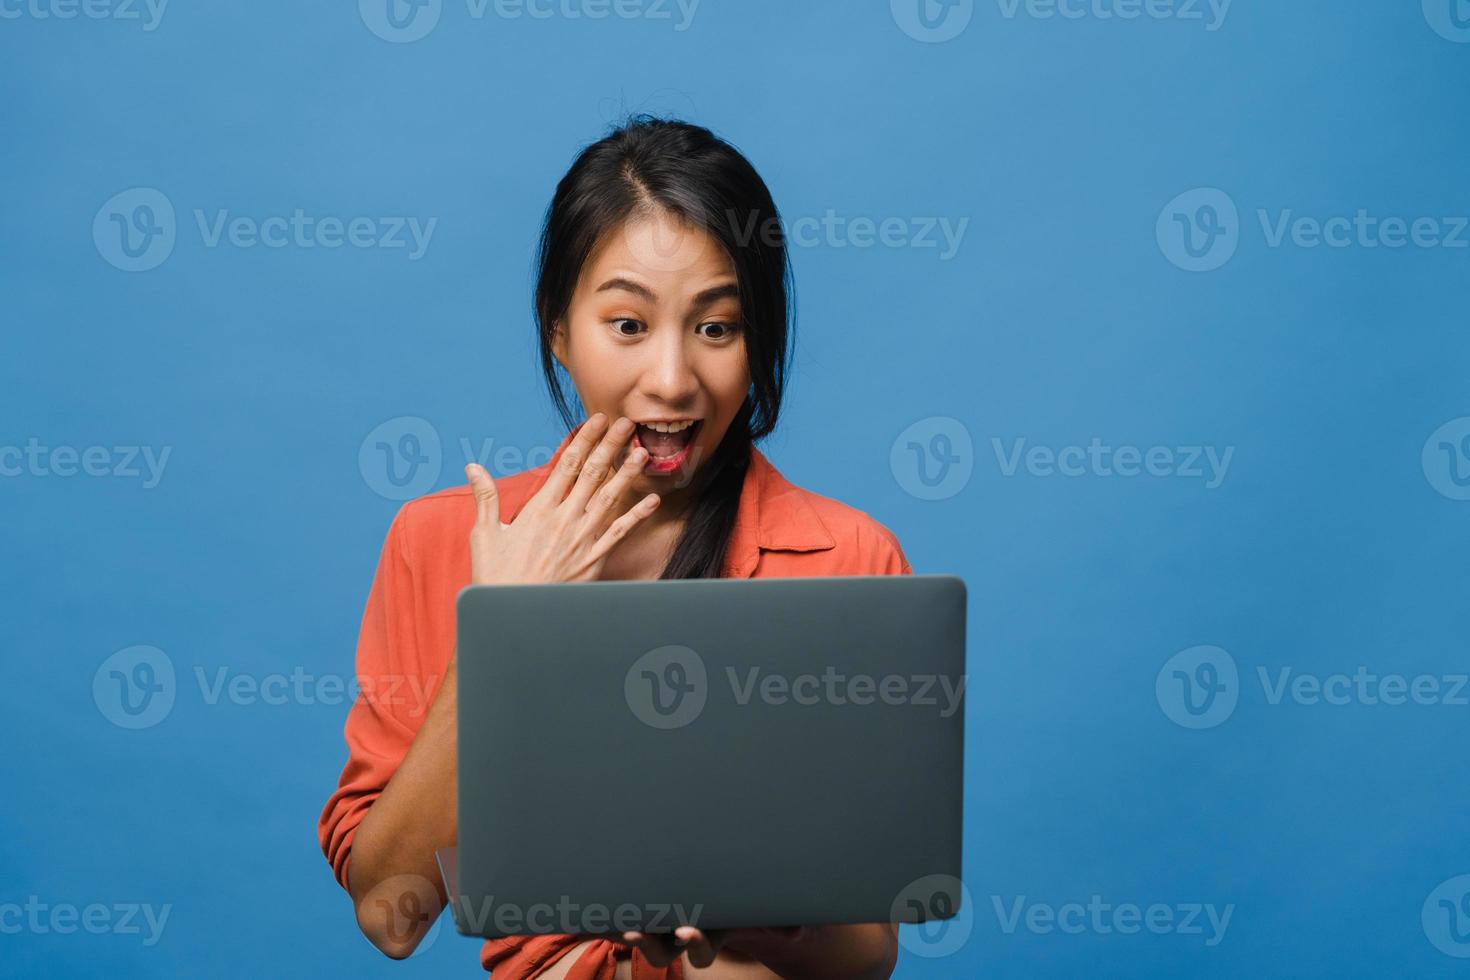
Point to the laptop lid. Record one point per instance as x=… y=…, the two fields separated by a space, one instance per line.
x=721 y=752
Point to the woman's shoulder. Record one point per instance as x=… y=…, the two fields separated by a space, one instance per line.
x=848 y=523
x=858 y=532
x=807 y=520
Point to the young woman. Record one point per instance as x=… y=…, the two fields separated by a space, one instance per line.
x=662 y=294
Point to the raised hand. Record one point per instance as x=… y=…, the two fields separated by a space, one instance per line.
x=565 y=531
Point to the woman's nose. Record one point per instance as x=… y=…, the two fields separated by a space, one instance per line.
x=669 y=376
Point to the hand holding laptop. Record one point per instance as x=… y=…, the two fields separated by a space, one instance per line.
x=703 y=946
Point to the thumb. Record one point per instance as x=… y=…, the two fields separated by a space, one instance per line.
x=487 y=498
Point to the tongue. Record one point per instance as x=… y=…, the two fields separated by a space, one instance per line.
x=663 y=443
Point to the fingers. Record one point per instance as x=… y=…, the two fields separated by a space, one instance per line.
x=659 y=948
x=602 y=508
x=619 y=528
x=599 y=464
x=487 y=524
x=567 y=469
x=487 y=498
x=703 y=947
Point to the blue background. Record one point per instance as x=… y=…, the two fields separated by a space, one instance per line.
x=1060 y=319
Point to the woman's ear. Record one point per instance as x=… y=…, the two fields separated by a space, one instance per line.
x=559 y=342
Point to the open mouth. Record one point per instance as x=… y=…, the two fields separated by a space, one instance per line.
x=667 y=450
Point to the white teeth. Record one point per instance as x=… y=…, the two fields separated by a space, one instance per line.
x=668 y=426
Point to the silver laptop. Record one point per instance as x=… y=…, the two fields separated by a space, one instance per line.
x=718 y=752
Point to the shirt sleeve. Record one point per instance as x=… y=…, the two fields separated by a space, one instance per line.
x=377 y=737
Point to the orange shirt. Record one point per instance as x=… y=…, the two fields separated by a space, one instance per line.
x=407 y=639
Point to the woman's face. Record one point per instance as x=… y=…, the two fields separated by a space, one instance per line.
x=653 y=332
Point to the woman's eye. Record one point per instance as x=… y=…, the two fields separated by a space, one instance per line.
x=622 y=324
x=722 y=330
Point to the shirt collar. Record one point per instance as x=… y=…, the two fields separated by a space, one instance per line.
x=773 y=514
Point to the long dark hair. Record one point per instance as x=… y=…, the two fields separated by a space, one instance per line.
x=650 y=164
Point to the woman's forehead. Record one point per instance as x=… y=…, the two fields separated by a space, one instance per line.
x=669 y=254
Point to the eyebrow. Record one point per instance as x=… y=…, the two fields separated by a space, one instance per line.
x=727 y=291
